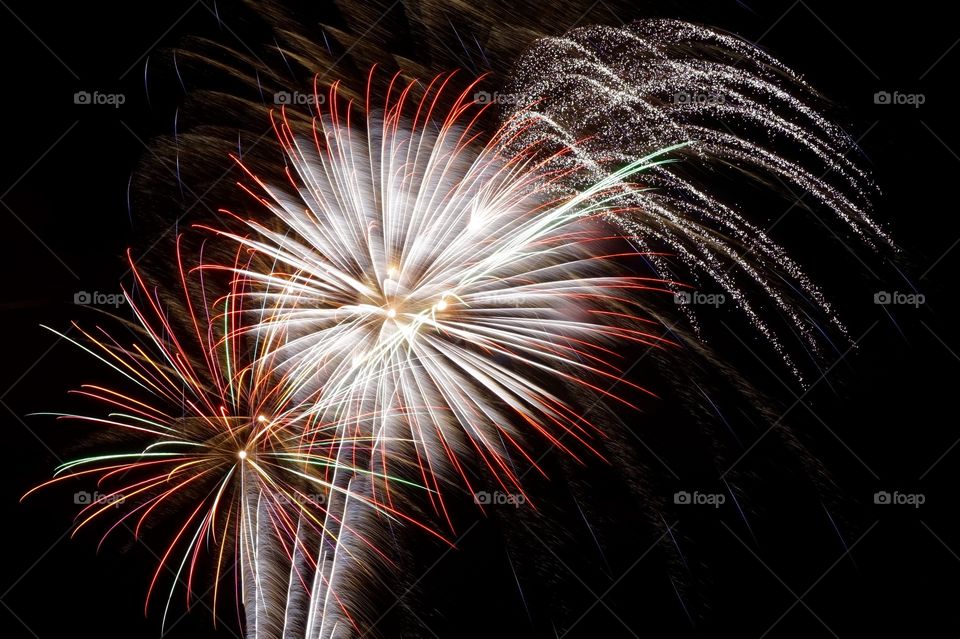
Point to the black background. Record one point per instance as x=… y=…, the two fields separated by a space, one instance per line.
x=886 y=413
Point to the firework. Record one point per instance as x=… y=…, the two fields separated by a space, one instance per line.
x=613 y=95
x=222 y=443
x=423 y=276
x=425 y=295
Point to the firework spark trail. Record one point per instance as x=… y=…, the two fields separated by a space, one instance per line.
x=221 y=442
x=658 y=82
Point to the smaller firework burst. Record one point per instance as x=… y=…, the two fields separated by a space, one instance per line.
x=219 y=441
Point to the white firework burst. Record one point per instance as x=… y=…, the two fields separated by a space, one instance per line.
x=422 y=275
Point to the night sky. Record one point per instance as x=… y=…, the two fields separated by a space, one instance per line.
x=883 y=417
